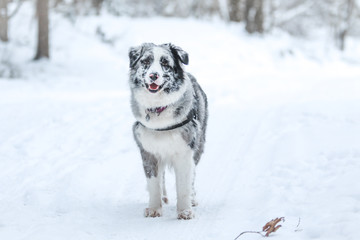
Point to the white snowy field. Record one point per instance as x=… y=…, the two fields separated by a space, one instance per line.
x=283 y=137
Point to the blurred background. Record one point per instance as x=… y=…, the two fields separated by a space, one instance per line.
x=283 y=84
x=335 y=20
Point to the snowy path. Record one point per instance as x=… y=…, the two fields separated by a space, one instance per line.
x=275 y=147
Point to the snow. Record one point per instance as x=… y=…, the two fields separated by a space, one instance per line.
x=283 y=135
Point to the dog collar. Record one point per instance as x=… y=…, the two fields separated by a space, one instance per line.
x=191 y=116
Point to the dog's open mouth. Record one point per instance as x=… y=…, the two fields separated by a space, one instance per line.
x=153 y=87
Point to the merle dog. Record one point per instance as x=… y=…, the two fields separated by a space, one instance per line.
x=171 y=112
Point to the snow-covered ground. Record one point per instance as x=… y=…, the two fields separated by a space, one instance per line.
x=283 y=137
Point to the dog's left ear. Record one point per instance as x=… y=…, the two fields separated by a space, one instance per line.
x=134 y=55
x=179 y=53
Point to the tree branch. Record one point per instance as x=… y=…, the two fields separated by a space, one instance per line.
x=249 y=232
x=16 y=9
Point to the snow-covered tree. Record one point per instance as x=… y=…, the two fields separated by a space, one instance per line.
x=339 y=18
x=342 y=18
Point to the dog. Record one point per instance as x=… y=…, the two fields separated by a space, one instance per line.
x=171 y=111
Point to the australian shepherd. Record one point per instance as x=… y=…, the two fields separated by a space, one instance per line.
x=171 y=112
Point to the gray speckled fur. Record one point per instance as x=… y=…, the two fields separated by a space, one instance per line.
x=135 y=107
x=192 y=133
x=150 y=162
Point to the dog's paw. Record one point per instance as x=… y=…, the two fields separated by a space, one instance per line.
x=152 y=212
x=186 y=214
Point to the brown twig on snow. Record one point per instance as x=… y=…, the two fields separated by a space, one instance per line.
x=271 y=227
x=297 y=227
x=268 y=228
x=249 y=232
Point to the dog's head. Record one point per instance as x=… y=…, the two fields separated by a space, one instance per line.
x=157 y=67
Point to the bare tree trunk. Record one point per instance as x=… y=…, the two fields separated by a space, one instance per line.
x=259 y=17
x=271 y=14
x=345 y=24
x=42 y=9
x=254 y=16
x=342 y=37
x=214 y=8
x=234 y=10
x=248 y=18
x=97 y=5
x=201 y=8
x=4 y=21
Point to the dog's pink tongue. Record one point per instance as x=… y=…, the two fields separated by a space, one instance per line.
x=153 y=86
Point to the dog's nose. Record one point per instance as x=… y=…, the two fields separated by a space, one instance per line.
x=154 y=76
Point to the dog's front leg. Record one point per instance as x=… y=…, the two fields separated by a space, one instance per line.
x=184 y=166
x=153 y=173
x=154 y=209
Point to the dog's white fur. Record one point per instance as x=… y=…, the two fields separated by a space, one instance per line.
x=162 y=145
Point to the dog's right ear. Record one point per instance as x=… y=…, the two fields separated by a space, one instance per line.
x=135 y=54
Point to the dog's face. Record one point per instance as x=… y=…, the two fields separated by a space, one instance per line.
x=157 y=68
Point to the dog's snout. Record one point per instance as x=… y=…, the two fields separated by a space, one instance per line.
x=154 y=76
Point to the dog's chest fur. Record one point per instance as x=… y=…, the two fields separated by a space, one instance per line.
x=163 y=144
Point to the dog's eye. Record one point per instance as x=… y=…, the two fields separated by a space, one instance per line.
x=146 y=61
x=165 y=65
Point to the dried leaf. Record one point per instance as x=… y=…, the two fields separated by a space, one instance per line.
x=271 y=227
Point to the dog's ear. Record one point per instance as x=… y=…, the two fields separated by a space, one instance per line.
x=135 y=54
x=179 y=53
